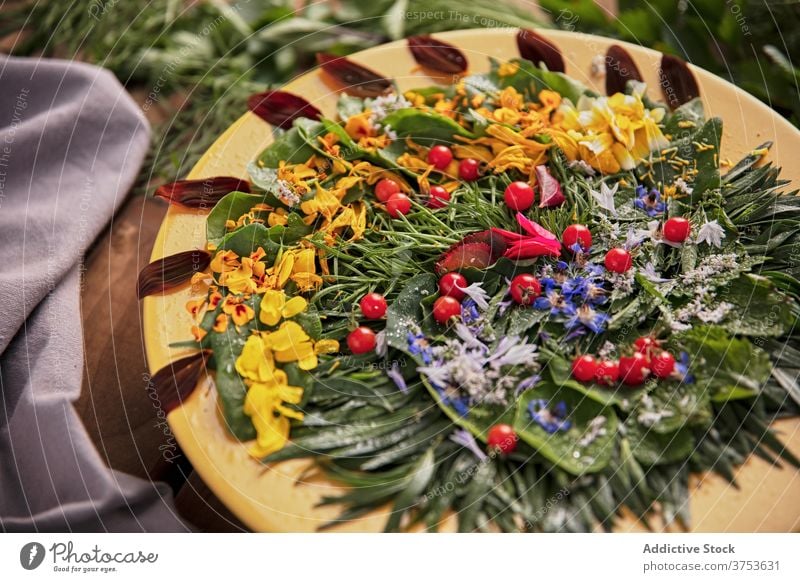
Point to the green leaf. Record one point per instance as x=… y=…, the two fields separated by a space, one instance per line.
x=654 y=448
x=425 y=127
x=728 y=367
x=247 y=239
x=418 y=479
x=290 y=147
x=760 y=308
x=564 y=448
x=530 y=80
x=230 y=207
x=706 y=158
x=405 y=312
x=227 y=347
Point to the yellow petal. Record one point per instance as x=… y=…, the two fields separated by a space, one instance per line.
x=326 y=346
x=294 y=306
x=272 y=303
x=288 y=335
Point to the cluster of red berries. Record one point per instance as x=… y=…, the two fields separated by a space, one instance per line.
x=648 y=358
x=362 y=339
x=398 y=204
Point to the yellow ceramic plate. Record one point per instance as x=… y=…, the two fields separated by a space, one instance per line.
x=270 y=498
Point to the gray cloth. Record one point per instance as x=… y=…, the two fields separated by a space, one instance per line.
x=71 y=143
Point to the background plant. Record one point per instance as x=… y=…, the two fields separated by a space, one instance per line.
x=198 y=61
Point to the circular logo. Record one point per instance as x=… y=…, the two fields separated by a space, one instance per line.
x=31 y=555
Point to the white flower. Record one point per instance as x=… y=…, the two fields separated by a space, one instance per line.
x=582 y=167
x=478 y=295
x=382 y=106
x=650 y=273
x=681 y=185
x=711 y=233
x=605 y=197
x=380 y=343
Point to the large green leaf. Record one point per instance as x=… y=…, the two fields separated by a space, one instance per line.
x=565 y=448
x=728 y=367
x=230 y=207
x=706 y=158
x=424 y=127
x=290 y=147
x=405 y=312
x=227 y=346
x=760 y=309
x=655 y=448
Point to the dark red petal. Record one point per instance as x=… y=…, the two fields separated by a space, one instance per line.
x=281 y=108
x=537 y=49
x=437 y=55
x=171 y=271
x=176 y=381
x=620 y=69
x=550 y=193
x=357 y=80
x=203 y=193
x=477 y=250
x=677 y=82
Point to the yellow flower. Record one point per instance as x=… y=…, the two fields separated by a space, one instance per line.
x=325 y=202
x=240 y=312
x=507 y=69
x=274 y=306
x=240 y=280
x=266 y=406
x=612 y=133
x=256 y=362
x=225 y=261
x=290 y=343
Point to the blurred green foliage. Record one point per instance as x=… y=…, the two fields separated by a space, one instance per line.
x=213 y=53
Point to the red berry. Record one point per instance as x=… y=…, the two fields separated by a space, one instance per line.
x=439 y=197
x=398 y=204
x=503 y=438
x=361 y=340
x=373 y=305
x=577 y=233
x=452 y=285
x=525 y=288
x=677 y=229
x=607 y=372
x=618 y=260
x=445 y=308
x=633 y=369
x=440 y=156
x=646 y=345
x=385 y=188
x=518 y=196
x=662 y=365
x=584 y=368
x=469 y=170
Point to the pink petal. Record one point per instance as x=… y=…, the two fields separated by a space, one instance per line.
x=550 y=192
x=530 y=248
x=533 y=228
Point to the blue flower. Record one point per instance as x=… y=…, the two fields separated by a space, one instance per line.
x=586 y=316
x=554 y=301
x=469 y=311
x=649 y=201
x=562 y=265
x=418 y=345
x=682 y=367
x=450 y=398
x=552 y=419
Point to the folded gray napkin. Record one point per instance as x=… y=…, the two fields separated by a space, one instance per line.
x=71 y=143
